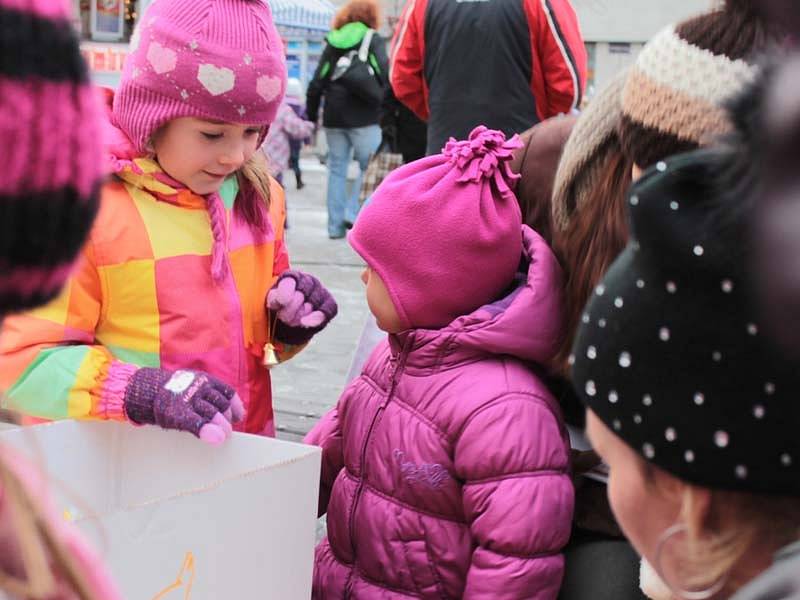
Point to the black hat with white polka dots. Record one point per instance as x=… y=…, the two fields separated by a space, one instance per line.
x=670 y=355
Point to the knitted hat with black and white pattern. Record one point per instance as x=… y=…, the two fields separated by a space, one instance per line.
x=583 y=158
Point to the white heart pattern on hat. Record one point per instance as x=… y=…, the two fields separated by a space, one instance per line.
x=217 y=80
x=269 y=87
x=163 y=60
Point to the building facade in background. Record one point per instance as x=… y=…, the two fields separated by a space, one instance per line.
x=616 y=30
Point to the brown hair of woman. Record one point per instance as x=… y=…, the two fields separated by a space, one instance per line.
x=595 y=236
x=358 y=11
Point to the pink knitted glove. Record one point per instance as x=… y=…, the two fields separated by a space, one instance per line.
x=190 y=401
x=302 y=306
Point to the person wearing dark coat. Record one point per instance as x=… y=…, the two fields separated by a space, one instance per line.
x=350 y=119
x=505 y=64
x=402 y=129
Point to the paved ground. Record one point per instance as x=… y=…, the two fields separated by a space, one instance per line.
x=305 y=387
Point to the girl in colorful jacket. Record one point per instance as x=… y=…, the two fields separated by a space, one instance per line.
x=166 y=318
x=445 y=464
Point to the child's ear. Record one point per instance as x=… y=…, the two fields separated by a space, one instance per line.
x=150 y=148
x=152 y=141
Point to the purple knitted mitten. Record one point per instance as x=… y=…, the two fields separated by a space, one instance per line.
x=190 y=401
x=302 y=306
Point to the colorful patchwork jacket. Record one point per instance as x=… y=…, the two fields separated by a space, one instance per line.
x=143 y=296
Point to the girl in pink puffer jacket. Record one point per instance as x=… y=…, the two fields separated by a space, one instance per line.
x=445 y=465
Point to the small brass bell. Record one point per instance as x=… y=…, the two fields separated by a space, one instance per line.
x=270 y=356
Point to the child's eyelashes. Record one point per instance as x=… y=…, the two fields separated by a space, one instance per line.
x=249 y=133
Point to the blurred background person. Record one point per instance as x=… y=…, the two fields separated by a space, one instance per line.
x=352 y=111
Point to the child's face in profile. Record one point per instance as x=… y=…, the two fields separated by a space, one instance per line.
x=379 y=302
x=201 y=154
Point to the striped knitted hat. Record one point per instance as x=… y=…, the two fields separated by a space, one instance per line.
x=674 y=98
x=50 y=130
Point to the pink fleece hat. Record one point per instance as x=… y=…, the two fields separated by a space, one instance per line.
x=445 y=233
x=213 y=59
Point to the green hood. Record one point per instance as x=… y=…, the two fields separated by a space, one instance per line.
x=348 y=36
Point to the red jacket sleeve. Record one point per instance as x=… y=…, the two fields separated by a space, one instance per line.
x=406 y=66
x=559 y=56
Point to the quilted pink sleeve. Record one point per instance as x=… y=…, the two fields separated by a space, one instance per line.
x=518 y=498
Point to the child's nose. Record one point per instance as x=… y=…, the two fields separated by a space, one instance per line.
x=365 y=276
x=233 y=156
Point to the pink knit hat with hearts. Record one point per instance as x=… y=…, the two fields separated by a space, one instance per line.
x=445 y=233
x=212 y=59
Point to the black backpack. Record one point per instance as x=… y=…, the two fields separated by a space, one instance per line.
x=354 y=71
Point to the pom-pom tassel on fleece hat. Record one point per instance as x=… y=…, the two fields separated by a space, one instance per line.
x=485 y=155
x=445 y=233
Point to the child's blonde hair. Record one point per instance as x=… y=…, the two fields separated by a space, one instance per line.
x=254 y=188
x=736 y=522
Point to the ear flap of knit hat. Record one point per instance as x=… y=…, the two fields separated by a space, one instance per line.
x=577 y=169
x=52 y=129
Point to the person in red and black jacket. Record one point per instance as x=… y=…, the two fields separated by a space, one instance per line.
x=506 y=64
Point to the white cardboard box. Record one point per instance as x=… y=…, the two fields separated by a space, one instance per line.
x=171 y=515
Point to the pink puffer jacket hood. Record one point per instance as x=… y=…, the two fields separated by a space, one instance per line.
x=445 y=465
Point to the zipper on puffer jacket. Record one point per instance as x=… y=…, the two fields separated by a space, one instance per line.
x=396 y=364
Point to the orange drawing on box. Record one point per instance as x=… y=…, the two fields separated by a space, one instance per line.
x=187 y=573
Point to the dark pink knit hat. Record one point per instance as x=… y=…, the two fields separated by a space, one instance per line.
x=51 y=140
x=445 y=233
x=211 y=59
